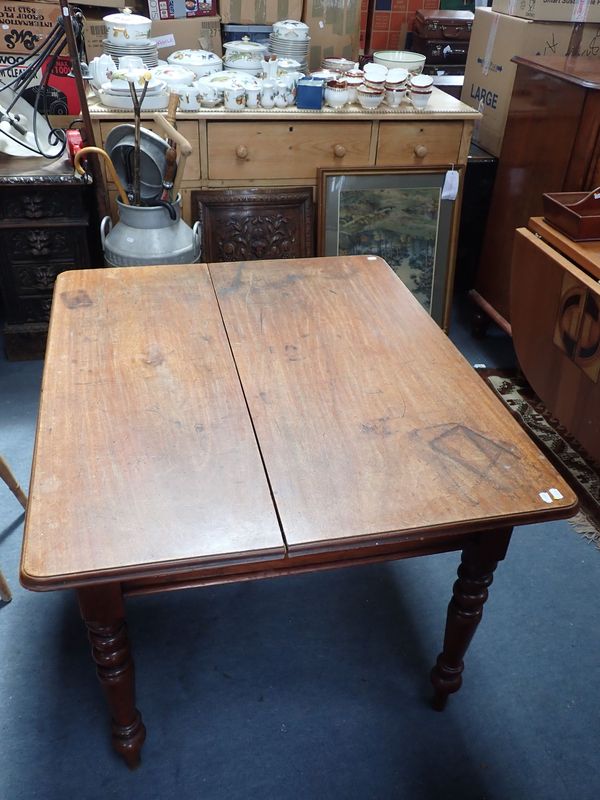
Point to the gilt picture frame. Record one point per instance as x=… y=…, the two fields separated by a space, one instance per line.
x=399 y=215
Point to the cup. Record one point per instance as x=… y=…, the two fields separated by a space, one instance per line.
x=234 y=98
x=189 y=97
x=393 y=97
x=336 y=94
x=209 y=96
x=419 y=98
x=421 y=82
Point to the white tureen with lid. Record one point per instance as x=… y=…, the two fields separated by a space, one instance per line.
x=126 y=28
x=201 y=62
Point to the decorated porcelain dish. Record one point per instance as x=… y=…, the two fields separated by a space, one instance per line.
x=174 y=74
x=201 y=62
x=120 y=79
x=290 y=29
x=230 y=79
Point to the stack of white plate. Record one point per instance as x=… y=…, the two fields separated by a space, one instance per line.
x=296 y=49
x=146 y=49
x=115 y=93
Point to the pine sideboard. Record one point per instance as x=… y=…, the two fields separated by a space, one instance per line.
x=286 y=147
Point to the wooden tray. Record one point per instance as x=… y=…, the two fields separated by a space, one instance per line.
x=575 y=213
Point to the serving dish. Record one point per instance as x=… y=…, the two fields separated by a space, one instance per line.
x=125 y=27
x=201 y=62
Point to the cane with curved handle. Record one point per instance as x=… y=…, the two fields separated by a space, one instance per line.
x=109 y=166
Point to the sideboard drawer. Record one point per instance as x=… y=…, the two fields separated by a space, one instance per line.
x=248 y=150
x=420 y=143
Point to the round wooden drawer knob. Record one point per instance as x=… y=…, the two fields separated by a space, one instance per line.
x=241 y=151
x=339 y=151
x=420 y=151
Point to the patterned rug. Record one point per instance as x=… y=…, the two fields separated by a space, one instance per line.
x=571 y=460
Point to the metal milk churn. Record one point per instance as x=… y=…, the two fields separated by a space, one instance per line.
x=147 y=235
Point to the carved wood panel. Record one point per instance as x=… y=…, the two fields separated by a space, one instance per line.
x=40 y=203
x=254 y=224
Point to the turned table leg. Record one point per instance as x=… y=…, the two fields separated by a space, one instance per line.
x=104 y=615
x=470 y=591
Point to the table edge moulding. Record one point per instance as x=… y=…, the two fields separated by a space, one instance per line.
x=292 y=416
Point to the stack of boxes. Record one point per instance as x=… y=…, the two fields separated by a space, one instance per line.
x=520 y=27
x=182 y=24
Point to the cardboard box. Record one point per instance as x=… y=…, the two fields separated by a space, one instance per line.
x=23 y=26
x=110 y=6
x=181 y=9
x=265 y=12
x=94 y=32
x=490 y=73
x=334 y=29
x=59 y=98
x=550 y=10
x=202 y=33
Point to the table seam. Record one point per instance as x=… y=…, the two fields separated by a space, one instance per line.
x=256 y=439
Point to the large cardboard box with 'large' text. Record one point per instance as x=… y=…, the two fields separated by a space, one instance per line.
x=550 y=10
x=490 y=73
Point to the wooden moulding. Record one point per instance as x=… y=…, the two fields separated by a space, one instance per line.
x=575 y=213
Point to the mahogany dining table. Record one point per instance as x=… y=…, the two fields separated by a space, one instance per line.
x=211 y=423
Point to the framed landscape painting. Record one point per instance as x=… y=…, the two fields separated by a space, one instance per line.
x=398 y=215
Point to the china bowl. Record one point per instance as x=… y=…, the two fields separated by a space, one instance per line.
x=337 y=64
x=413 y=62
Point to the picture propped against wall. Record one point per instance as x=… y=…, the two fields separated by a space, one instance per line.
x=399 y=216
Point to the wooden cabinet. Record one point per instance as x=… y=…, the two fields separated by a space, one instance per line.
x=286 y=147
x=555 y=304
x=551 y=144
x=44 y=230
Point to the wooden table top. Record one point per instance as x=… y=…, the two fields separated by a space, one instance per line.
x=145 y=453
x=370 y=424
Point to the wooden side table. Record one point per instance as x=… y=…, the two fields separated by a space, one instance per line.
x=555 y=312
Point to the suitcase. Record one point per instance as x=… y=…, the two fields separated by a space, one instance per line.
x=437 y=51
x=443 y=25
